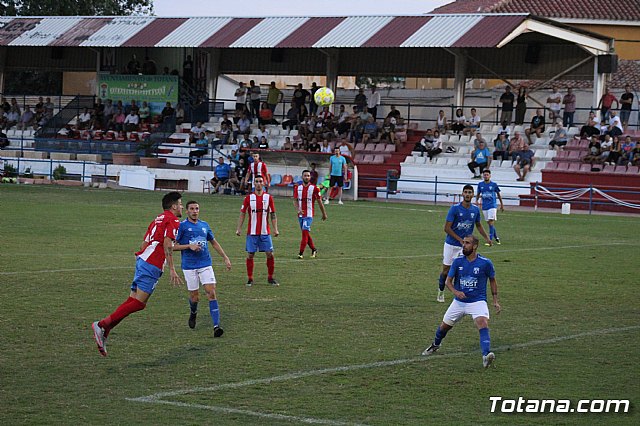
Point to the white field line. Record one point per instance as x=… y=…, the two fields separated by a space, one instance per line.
x=157 y=398
x=337 y=259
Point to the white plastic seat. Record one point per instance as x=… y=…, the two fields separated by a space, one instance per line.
x=410 y=159
x=420 y=160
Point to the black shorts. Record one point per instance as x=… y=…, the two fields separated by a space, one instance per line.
x=557 y=143
x=336 y=180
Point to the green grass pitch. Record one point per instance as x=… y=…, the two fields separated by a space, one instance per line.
x=338 y=342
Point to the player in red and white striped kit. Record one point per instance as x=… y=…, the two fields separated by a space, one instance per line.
x=304 y=198
x=260 y=207
x=257 y=168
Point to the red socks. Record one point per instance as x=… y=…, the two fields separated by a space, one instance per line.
x=306 y=239
x=310 y=241
x=249 y=268
x=271 y=265
x=130 y=306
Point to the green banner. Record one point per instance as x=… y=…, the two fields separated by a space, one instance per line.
x=155 y=89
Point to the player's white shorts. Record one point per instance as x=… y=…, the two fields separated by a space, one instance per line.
x=449 y=253
x=490 y=214
x=196 y=276
x=459 y=309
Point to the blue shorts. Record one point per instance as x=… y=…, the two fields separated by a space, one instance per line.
x=259 y=243
x=305 y=223
x=146 y=277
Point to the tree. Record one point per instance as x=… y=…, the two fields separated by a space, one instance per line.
x=75 y=7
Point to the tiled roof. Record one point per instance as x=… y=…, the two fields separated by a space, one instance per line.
x=628 y=73
x=619 y=10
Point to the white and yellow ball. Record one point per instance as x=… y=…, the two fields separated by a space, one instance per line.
x=324 y=96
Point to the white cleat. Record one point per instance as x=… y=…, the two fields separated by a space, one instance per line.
x=430 y=350
x=440 y=297
x=326 y=201
x=488 y=359
x=340 y=202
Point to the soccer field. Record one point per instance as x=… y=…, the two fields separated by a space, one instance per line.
x=338 y=342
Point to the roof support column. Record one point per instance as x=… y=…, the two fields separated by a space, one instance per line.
x=3 y=60
x=599 y=81
x=214 y=73
x=332 y=67
x=460 y=75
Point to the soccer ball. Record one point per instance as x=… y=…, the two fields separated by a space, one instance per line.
x=324 y=96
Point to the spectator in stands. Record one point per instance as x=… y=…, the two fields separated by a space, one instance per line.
x=224 y=134
x=524 y=162
x=635 y=155
x=107 y=113
x=4 y=105
x=133 y=66
x=426 y=143
x=300 y=96
x=615 y=125
x=508 y=100
x=243 y=126
x=370 y=131
x=255 y=143
x=48 y=108
x=516 y=144
x=314 y=174
x=389 y=130
x=626 y=156
x=287 y=146
x=149 y=66
x=537 y=126
x=274 y=96
x=84 y=120
x=605 y=148
x=263 y=132
x=559 y=139
x=345 y=149
x=144 y=113
x=521 y=106
x=11 y=118
x=569 y=102
x=202 y=147
x=180 y=114
x=313 y=106
x=325 y=147
x=393 y=112
x=501 y=144
x=357 y=131
x=459 y=122
x=245 y=143
x=14 y=104
x=594 y=152
x=605 y=103
x=480 y=158
x=27 y=119
x=591 y=127
x=342 y=121
x=133 y=106
x=477 y=140
x=313 y=146
x=473 y=124
x=615 y=152
x=254 y=98
x=241 y=97
x=265 y=115
x=436 y=146
x=187 y=70
x=305 y=127
x=195 y=131
x=360 y=100
x=221 y=174
x=240 y=172
x=263 y=143
x=225 y=119
x=504 y=129
x=292 y=117
x=626 y=105
x=132 y=122
x=373 y=101
x=4 y=141
x=554 y=103
x=441 y=122
x=167 y=112
x=98 y=111
x=117 y=121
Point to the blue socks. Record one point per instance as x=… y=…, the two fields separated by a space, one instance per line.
x=492 y=232
x=215 y=312
x=485 y=341
x=193 y=306
x=439 y=336
x=441 y=281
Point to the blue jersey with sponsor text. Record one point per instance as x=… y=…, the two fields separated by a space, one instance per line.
x=195 y=233
x=462 y=222
x=471 y=277
x=489 y=193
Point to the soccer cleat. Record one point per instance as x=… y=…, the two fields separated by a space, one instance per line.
x=440 y=297
x=249 y=283
x=497 y=241
x=101 y=341
x=192 y=319
x=273 y=282
x=326 y=201
x=300 y=256
x=340 y=202
x=488 y=359
x=217 y=331
x=487 y=244
x=431 y=349
x=314 y=253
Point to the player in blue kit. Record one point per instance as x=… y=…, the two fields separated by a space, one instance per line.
x=489 y=191
x=467 y=280
x=461 y=219
x=192 y=240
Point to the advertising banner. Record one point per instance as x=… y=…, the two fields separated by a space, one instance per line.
x=156 y=90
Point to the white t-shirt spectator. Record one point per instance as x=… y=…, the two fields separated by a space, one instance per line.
x=85 y=117
x=373 y=100
x=555 y=106
x=615 y=121
x=132 y=119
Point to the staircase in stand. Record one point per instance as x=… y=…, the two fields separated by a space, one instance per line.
x=371 y=176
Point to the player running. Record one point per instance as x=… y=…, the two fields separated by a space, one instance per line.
x=460 y=222
x=260 y=207
x=304 y=197
x=157 y=246
x=192 y=238
x=467 y=280
x=489 y=191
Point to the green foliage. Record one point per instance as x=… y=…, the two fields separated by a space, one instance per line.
x=59 y=172
x=33 y=82
x=75 y=7
x=390 y=82
x=368 y=297
x=10 y=170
